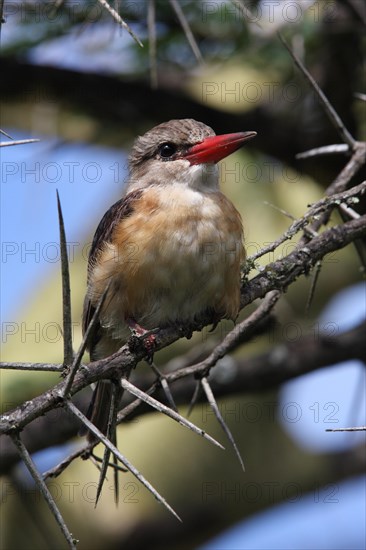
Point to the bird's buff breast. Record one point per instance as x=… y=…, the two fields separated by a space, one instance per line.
x=176 y=255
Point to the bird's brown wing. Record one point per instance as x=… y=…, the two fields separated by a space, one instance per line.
x=121 y=209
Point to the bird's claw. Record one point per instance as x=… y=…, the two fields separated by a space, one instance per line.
x=142 y=338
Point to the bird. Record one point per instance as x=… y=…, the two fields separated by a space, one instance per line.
x=170 y=249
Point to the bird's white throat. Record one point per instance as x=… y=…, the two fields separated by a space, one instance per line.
x=201 y=177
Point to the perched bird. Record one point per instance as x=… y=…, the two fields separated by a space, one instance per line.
x=171 y=248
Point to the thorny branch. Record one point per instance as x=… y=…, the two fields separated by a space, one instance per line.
x=250 y=374
x=120 y=21
x=66 y=291
x=23 y=452
x=17 y=142
x=329 y=110
x=74 y=410
x=277 y=275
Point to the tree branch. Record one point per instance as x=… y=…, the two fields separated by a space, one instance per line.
x=276 y=276
x=260 y=372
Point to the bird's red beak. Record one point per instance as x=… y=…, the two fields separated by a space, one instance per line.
x=215 y=148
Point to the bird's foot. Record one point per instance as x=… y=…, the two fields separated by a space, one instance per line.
x=142 y=337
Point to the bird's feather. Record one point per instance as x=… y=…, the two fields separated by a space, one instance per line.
x=104 y=234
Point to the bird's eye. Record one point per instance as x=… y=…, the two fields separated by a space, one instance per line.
x=167 y=150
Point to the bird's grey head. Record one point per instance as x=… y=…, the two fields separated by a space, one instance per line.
x=183 y=152
x=160 y=156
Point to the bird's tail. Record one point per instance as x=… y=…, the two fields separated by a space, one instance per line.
x=99 y=409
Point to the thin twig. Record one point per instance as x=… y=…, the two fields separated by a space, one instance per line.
x=131 y=407
x=77 y=360
x=95 y=462
x=120 y=457
x=281 y=210
x=359 y=245
x=189 y=358
x=325 y=150
x=362 y=97
x=332 y=114
x=111 y=464
x=174 y=364
x=112 y=431
x=151 y=29
x=66 y=291
x=107 y=452
x=2 y=131
x=39 y=481
x=187 y=30
x=86 y=451
x=18 y=142
x=322 y=206
x=212 y=402
x=245 y=12
x=314 y=280
x=195 y=396
x=349 y=212
x=354 y=429
x=52 y=367
x=120 y=21
x=166 y=410
x=116 y=395
x=355 y=163
x=306 y=229
x=338 y=186
x=165 y=386
x=61 y=466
